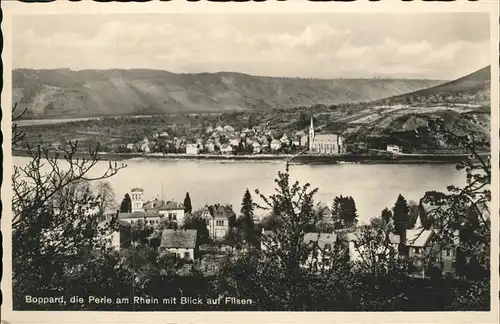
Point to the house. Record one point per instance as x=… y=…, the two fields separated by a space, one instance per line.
x=210 y=147
x=420 y=249
x=296 y=141
x=358 y=248
x=220 y=219
x=284 y=139
x=228 y=129
x=256 y=147
x=152 y=212
x=183 y=243
x=168 y=210
x=325 y=244
x=226 y=149
x=324 y=143
x=275 y=145
x=111 y=237
x=192 y=149
x=304 y=140
x=151 y=217
x=393 y=148
x=235 y=141
x=145 y=145
x=130 y=146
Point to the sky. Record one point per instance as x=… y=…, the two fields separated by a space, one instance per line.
x=315 y=45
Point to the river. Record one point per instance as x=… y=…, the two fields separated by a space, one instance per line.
x=373 y=187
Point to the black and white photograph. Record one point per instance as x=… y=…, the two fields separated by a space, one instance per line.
x=256 y=162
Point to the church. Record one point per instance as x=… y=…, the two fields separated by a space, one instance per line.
x=324 y=143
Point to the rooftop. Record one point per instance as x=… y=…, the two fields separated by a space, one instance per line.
x=418 y=238
x=139 y=214
x=186 y=238
x=221 y=211
x=163 y=205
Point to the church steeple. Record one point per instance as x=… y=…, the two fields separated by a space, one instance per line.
x=311 y=134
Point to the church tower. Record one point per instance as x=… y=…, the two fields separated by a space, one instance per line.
x=311 y=135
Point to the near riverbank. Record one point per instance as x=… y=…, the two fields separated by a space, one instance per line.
x=295 y=159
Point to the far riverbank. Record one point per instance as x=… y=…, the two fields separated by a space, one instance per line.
x=295 y=159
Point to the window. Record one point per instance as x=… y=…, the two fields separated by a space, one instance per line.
x=219 y=222
x=169 y=217
x=417 y=250
x=174 y=217
x=448 y=253
x=328 y=247
x=186 y=255
x=131 y=222
x=151 y=222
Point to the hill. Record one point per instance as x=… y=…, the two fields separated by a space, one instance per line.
x=67 y=93
x=474 y=87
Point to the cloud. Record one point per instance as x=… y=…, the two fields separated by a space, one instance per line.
x=319 y=49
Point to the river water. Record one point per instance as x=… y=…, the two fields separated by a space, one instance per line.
x=373 y=187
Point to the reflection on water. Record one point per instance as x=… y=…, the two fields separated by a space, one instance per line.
x=373 y=187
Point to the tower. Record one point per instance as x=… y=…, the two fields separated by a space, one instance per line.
x=137 y=199
x=311 y=135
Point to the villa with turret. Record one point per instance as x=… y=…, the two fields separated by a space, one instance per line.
x=152 y=212
x=324 y=143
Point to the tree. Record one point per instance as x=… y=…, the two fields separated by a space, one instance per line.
x=386 y=215
x=106 y=198
x=400 y=215
x=246 y=220
x=126 y=205
x=282 y=284
x=188 y=208
x=53 y=220
x=466 y=210
x=195 y=221
x=344 y=212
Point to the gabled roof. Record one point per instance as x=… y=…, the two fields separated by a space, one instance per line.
x=163 y=205
x=221 y=211
x=325 y=137
x=186 y=238
x=418 y=238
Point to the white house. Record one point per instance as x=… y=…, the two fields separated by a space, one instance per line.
x=275 y=145
x=192 y=149
x=219 y=220
x=325 y=243
x=321 y=245
x=182 y=243
x=235 y=141
x=359 y=249
x=393 y=148
x=210 y=147
x=152 y=212
x=167 y=209
x=256 y=147
x=226 y=149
